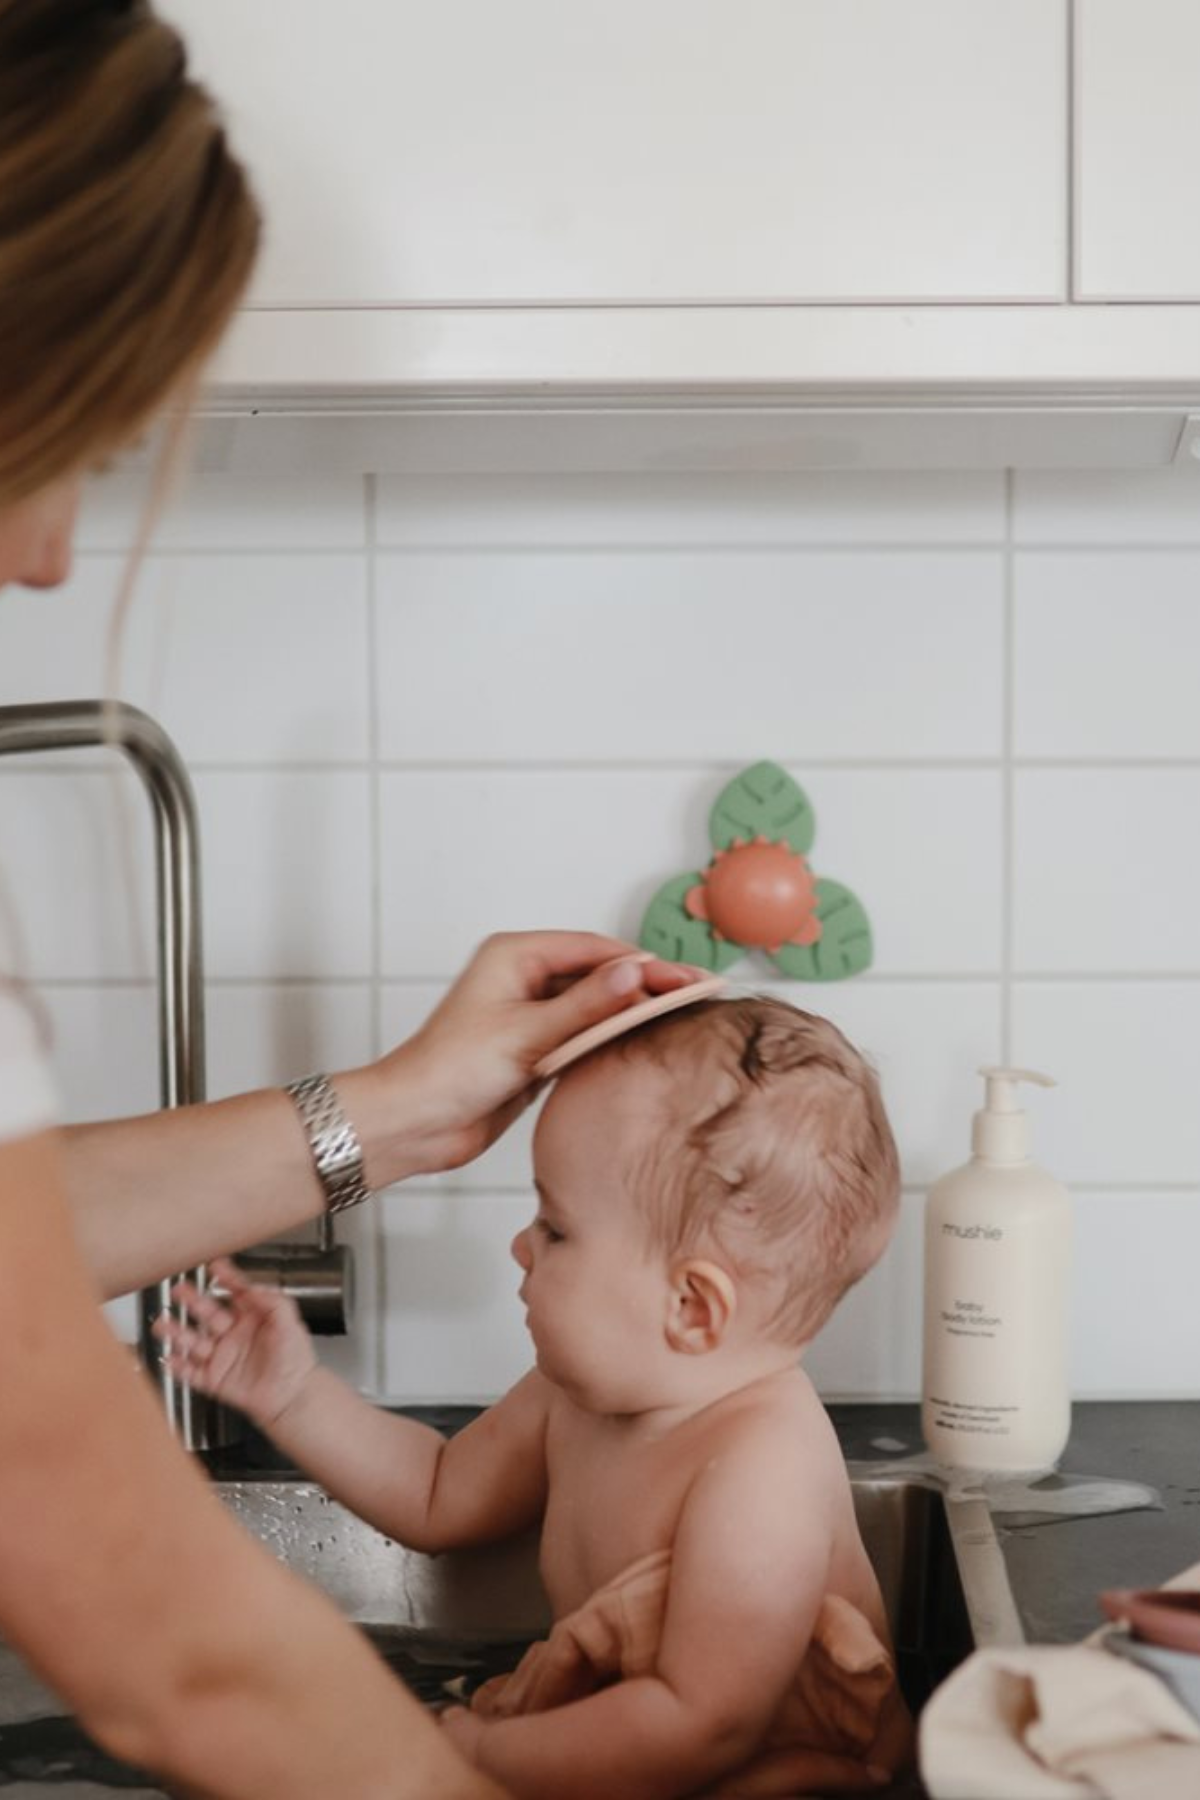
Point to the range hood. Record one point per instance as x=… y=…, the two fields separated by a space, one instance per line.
x=677 y=389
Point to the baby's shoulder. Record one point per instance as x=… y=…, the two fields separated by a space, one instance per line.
x=788 y=1394
x=783 y=1421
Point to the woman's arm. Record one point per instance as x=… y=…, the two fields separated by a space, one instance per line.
x=184 y=1647
x=156 y=1194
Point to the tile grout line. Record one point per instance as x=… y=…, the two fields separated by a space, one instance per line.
x=377 y=1236
x=439 y=769
x=1007 y=778
x=953 y=764
x=1073 y=174
x=569 y=547
x=877 y=978
x=574 y=547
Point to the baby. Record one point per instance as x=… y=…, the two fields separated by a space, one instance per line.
x=708 y=1188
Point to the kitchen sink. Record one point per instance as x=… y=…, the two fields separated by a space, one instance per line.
x=468 y=1613
x=446 y=1622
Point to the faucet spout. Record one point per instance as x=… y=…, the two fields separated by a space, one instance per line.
x=80 y=724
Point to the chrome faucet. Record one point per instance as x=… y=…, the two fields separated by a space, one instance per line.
x=318 y=1277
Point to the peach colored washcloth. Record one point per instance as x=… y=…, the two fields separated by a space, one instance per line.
x=1059 y=1722
x=844 y=1701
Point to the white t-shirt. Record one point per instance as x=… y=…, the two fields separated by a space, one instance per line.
x=28 y=1096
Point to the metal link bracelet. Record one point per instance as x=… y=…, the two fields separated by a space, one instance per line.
x=336 y=1151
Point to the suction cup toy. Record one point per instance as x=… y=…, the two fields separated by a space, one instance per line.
x=758 y=891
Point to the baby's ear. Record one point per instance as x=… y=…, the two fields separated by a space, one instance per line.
x=701 y=1306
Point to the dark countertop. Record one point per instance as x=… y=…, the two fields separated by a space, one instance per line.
x=1057 y=1565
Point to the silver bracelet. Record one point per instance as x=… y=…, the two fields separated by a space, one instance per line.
x=336 y=1151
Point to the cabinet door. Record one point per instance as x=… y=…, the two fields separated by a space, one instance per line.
x=466 y=152
x=1137 y=89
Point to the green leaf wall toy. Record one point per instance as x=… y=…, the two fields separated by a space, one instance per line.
x=758 y=892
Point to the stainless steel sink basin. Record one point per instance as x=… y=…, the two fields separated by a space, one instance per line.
x=938 y=1563
x=457 y=1618
x=486 y=1594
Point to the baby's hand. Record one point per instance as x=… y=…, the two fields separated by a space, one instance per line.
x=251 y=1350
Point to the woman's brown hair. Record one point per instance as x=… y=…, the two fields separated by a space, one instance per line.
x=127 y=231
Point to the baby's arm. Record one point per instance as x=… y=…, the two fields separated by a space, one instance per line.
x=749 y=1571
x=432 y=1493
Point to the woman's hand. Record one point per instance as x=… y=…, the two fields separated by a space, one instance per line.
x=443 y=1096
x=170 y=1190
x=251 y=1350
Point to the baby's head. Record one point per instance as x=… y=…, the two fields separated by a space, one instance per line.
x=774 y=1154
x=746 y=1132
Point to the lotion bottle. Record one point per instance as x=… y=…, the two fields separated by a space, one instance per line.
x=997 y=1245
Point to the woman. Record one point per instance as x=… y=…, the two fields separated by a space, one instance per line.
x=126 y=237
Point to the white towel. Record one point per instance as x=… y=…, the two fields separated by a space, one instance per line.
x=1059 y=1722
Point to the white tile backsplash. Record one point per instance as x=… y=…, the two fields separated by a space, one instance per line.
x=105 y=1044
x=472 y=851
x=926 y=1040
x=465 y=852
x=211 y=511
x=680 y=657
x=922 y=848
x=258 y=1034
x=420 y=709
x=287 y=873
x=1135 y=1325
x=754 y=511
x=1107 y=506
x=1126 y=1055
x=872 y=1342
x=78 y=865
x=1107 y=647
x=233 y=655
x=453 y=1327
x=262 y=1034
x=1107 y=870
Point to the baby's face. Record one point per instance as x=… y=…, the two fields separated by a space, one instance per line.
x=595 y=1290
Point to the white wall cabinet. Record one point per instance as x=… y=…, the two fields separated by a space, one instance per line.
x=801 y=207
x=1137 y=86
x=448 y=153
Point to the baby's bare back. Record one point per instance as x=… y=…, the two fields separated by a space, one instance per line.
x=618 y=1489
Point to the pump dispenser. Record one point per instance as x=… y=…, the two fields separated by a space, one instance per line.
x=997 y=1247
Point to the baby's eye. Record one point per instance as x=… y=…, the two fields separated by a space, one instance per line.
x=548 y=1232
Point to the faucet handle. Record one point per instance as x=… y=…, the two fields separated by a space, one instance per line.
x=320 y=1280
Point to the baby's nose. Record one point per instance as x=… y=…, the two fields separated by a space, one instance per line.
x=520 y=1250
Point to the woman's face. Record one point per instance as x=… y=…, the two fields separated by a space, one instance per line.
x=36 y=536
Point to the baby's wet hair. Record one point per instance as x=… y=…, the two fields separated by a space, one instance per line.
x=775 y=1154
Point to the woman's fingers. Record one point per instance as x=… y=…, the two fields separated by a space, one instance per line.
x=607 y=990
x=470 y=1068
x=528 y=964
x=623 y=967
x=537 y=964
